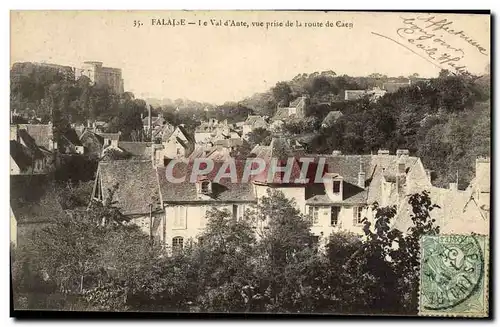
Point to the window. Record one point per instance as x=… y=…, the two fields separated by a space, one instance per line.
x=205 y=187
x=336 y=186
x=178 y=151
x=177 y=244
x=314 y=215
x=180 y=217
x=357 y=213
x=334 y=217
x=235 y=211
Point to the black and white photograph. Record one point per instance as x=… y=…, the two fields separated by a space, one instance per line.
x=250 y=162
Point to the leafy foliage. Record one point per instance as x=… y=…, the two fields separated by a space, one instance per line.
x=268 y=261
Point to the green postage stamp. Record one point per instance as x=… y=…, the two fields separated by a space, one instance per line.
x=454 y=276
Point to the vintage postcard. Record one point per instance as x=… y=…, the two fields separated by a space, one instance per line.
x=278 y=162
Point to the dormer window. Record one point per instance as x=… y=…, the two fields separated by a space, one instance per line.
x=336 y=186
x=206 y=187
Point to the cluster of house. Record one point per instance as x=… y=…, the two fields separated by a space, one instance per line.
x=376 y=92
x=175 y=213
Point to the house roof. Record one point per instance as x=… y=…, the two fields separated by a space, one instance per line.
x=351 y=194
x=281 y=113
x=332 y=117
x=20 y=154
x=280 y=150
x=72 y=137
x=255 y=120
x=165 y=131
x=223 y=190
x=89 y=135
x=216 y=152
x=42 y=134
x=394 y=86
x=30 y=143
x=229 y=143
x=33 y=199
x=137 y=149
x=110 y=136
x=137 y=184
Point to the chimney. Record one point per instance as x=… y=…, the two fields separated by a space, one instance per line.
x=361 y=175
x=453 y=186
x=402 y=152
x=383 y=152
x=336 y=153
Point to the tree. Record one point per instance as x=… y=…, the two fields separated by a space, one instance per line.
x=285 y=251
x=282 y=93
x=224 y=257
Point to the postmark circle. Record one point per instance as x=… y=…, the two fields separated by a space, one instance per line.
x=451 y=270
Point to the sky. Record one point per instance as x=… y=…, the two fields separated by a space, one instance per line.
x=218 y=64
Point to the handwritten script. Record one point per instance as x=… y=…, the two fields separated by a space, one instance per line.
x=436 y=40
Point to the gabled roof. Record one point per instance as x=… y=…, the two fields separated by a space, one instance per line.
x=229 y=143
x=186 y=134
x=351 y=194
x=332 y=117
x=33 y=199
x=137 y=149
x=42 y=134
x=355 y=94
x=90 y=135
x=20 y=154
x=223 y=190
x=137 y=184
x=30 y=143
x=71 y=136
x=281 y=113
x=215 y=152
x=110 y=136
x=394 y=86
x=254 y=119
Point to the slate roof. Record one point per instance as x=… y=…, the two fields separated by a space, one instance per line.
x=30 y=143
x=255 y=121
x=137 y=149
x=218 y=153
x=33 y=199
x=229 y=143
x=137 y=184
x=223 y=190
x=394 y=86
x=281 y=114
x=354 y=94
x=332 y=117
x=351 y=194
x=72 y=137
x=20 y=154
x=110 y=136
x=295 y=103
x=42 y=134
